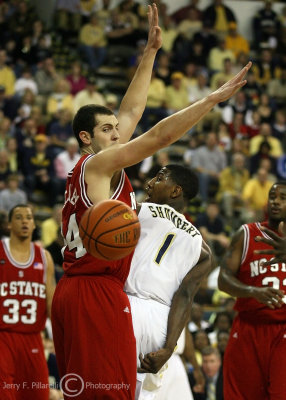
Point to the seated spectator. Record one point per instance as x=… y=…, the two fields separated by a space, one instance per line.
x=212 y=369
x=213 y=230
x=50 y=227
x=25 y=135
x=89 y=95
x=92 y=42
x=76 y=79
x=45 y=77
x=266 y=27
x=176 y=93
x=237 y=128
x=217 y=56
x=8 y=105
x=27 y=102
x=169 y=34
x=13 y=155
x=220 y=78
x=60 y=99
x=208 y=160
x=201 y=341
x=238 y=104
x=276 y=88
x=265 y=108
x=26 y=81
x=219 y=16
x=155 y=109
x=190 y=24
x=7 y=76
x=252 y=90
x=255 y=195
x=180 y=14
x=265 y=68
x=231 y=183
x=163 y=68
x=60 y=131
x=235 y=42
x=38 y=170
x=206 y=37
x=253 y=121
x=4 y=168
x=265 y=134
x=197 y=322
x=65 y=161
x=222 y=338
x=6 y=131
x=222 y=322
x=262 y=154
x=279 y=127
x=12 y=195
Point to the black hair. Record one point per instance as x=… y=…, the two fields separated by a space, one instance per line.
x=186 y=178
x=11 y=212
x=223 y=314
x=85 y=119
x=279 y=183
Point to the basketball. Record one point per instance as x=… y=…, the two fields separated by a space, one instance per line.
x=109 y=230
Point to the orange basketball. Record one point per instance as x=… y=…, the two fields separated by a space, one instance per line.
x=109 y=230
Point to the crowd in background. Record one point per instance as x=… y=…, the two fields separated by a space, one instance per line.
x=90 y=55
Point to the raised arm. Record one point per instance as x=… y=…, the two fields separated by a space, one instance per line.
x=134 y=101
x=179 y=312
x=50 y=282
x=278 y=244
x=229 y=283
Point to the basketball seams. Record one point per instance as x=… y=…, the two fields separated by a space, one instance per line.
x=99 y=220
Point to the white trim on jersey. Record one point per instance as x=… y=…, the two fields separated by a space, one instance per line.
x=6 y=246
x=120 y=186
x=84 y=195
x=45 y=264
x=245 y=243
x=258 y=225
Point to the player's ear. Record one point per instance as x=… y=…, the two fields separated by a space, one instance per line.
x=85 y=137
x=177 y=191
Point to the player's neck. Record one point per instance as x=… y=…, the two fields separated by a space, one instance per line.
x=273 y=224
x=20 y=245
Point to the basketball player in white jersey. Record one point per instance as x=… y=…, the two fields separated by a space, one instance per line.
x=168 y=265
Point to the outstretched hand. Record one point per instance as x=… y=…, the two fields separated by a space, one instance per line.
x=154 y=36
x=153 y=362
x=232 y=86
x=277 y=242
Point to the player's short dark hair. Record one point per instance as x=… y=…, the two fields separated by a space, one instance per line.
x=11 y=212
x=85 y=119
x=186 y=178
x=279 y=183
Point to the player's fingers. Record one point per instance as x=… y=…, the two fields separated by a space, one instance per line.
x=270 y=233
x=142 y=371
x=269 y=251
x=264 y=240
x=155 y=15
x=243 y=72
x=144 y=362
x=150 y=15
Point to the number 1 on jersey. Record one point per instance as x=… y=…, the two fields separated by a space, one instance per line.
x=164 y=247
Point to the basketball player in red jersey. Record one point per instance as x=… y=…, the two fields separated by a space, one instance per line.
x=91 y=317
x=257 y=344
x=26 y=291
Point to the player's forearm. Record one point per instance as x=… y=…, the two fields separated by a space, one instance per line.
x=175 y=126
x=231 y=285
x=179 y=315
x=135 y=99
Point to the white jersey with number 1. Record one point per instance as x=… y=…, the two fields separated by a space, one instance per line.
x=169 y=247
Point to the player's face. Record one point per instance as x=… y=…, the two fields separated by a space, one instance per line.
x=159 y=189
x=22 y=223
x=105 y=132
x=277 y=203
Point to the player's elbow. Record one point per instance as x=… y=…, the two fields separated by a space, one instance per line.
x=221 y=282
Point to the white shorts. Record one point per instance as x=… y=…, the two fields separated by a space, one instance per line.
x=149 y=319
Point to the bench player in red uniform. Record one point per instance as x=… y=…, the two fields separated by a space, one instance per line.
x=91 y=317
x=26 y=291
x=257 y=343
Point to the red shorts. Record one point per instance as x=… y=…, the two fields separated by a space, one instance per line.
x=23 y=368
x=94 y=339
x=253 y=365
